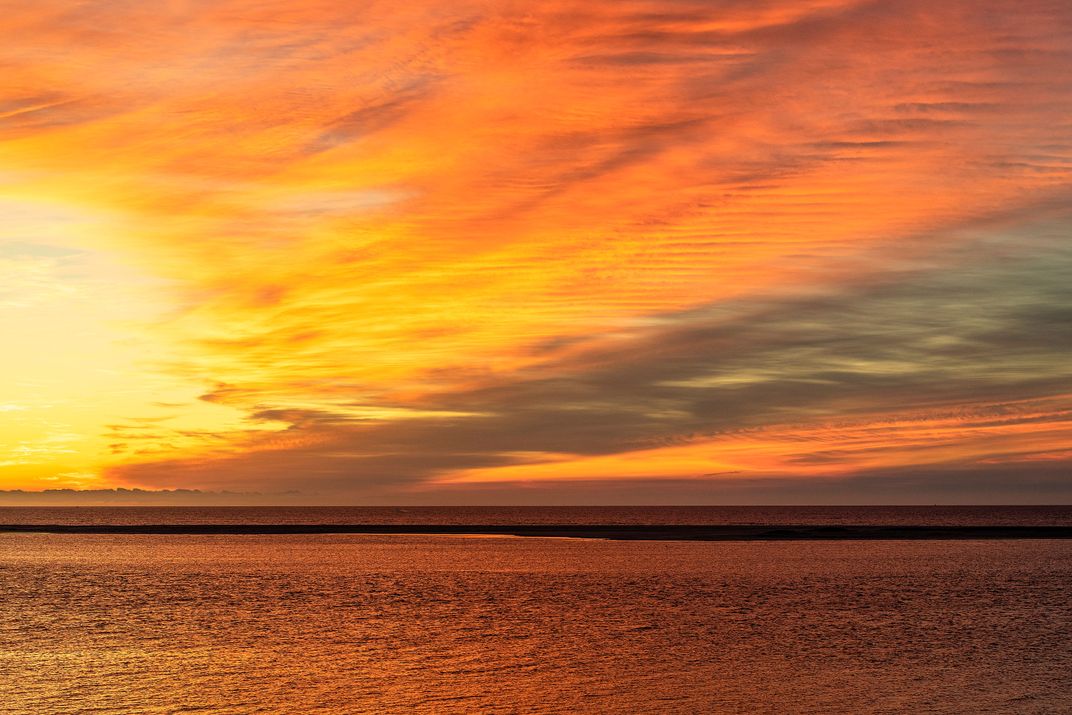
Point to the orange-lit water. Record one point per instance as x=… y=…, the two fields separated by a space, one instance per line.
x=707 y=515
x=401 y=624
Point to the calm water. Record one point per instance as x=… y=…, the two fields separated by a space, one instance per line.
x=722 y=515
x=403 y=624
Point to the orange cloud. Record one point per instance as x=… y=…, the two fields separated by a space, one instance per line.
x=343 y=225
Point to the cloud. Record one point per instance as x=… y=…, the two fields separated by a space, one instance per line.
x=935 y=368
x=389 y=247
x=975 y=484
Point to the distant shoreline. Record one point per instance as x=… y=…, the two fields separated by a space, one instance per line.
x=620 y=532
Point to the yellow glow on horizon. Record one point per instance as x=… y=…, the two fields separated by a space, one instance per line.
x=82 y=373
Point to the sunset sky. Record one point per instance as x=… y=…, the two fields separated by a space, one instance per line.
x=798 y=251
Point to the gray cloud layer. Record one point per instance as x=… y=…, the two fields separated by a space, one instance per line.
x=983 y=323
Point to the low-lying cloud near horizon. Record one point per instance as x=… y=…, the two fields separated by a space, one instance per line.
x=664 y=252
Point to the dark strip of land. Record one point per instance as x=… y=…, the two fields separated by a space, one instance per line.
x=669 y=532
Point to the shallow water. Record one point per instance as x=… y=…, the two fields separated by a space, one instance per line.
x=356 y=624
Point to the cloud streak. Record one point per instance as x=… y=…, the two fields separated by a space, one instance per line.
x=398 y=250
x=929 y=367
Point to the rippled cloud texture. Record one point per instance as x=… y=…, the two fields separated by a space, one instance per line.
x=676 y=251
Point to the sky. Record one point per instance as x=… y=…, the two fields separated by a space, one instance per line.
x=641 y=251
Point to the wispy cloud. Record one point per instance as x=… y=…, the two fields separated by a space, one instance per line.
x=400 y=247
x=930 y=366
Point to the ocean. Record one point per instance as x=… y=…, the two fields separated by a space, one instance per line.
x=654 y=515
x=365 y=623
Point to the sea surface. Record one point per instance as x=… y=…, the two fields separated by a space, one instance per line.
x=699 y=515
x=104 y=623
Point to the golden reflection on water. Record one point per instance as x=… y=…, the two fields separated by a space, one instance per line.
x=371 y=624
